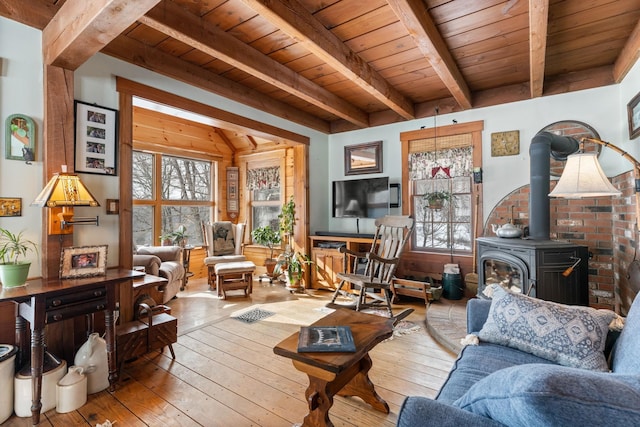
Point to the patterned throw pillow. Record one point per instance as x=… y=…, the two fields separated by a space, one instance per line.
x=568 y=335
x=223 y=238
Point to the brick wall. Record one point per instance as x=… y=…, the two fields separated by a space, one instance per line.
x=605 y=225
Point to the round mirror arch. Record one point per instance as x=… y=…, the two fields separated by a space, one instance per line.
x=576 y=130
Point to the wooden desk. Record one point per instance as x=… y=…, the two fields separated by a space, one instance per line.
x=42 y=302
x=344 y=374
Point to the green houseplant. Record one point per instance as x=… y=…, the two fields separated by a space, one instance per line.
x=267 y=236
x=436 y=199
x=293 y=265
x=287 y=220
x=180 y=236
x=13 y=247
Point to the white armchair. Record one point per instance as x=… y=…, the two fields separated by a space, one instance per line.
x=163 y=261
x=224 y=242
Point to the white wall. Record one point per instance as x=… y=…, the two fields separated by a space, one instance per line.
x=21 y=93
x=603 y=108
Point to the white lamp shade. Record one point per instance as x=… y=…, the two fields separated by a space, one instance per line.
x=583 y=177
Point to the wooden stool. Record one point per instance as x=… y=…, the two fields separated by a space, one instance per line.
x=234 y=275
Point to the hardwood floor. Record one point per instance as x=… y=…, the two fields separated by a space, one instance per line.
x=226 y=374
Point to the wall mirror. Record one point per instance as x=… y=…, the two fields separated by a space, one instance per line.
x=363 y=158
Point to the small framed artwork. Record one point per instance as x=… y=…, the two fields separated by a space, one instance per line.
x=113 y=206
x=633 y=110
x=96 y=134
x=20 y=143
x=363 y=158
x=10 y=206
x=83 y=261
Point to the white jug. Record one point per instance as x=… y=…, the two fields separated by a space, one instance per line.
x=92 y=357
x=71 y=390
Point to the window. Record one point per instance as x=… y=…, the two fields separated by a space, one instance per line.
x=448 y=227
x=442 y=164
x=179 y=192
x=266 y=199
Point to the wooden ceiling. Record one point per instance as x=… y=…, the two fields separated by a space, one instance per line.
x=336 y=65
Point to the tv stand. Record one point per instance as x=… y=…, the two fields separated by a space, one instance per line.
x=327 y=258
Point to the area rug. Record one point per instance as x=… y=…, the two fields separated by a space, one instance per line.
x=253 y=315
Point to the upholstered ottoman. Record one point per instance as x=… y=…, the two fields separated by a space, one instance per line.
x=234 y=275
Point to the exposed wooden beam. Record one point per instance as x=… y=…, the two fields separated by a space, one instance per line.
x=153 y=59
x=295 y=20
x=629 y=55
x=414 y=16
x=220 y=118
x=183 y=26
x=81 y=28
x=538 y=21
x=225 y=139
x=252 y=141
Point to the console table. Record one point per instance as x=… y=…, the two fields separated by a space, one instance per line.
x=329 y=261
x=43 y=302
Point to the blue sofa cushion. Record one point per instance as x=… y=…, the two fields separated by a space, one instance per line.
x=625 y=358
x=476 y=362
x=568 y=335
x=552 y=395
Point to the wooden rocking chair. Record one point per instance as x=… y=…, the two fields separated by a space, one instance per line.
x=371 y=288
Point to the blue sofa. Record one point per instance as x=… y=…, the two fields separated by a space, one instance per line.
x=498 y=385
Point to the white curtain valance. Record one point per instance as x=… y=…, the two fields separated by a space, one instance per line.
x=448 y=163
x=263 y=178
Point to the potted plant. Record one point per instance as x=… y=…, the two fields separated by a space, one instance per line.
x=166 y=238
x=292 y=265
x=180 y=236
x=287 y=220
x=436 y=199
x=267 y=236
x=14 y=271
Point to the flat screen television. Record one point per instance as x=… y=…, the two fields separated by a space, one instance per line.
x=361 y=198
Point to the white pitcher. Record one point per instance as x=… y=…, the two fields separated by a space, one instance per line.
x=92 y=357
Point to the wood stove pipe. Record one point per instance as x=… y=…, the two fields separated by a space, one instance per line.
x=540 y=150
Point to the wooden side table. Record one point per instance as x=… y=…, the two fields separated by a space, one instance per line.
x=344 y=374
x=42 y=302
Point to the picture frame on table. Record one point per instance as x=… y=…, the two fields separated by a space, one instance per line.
x=633 y=111
x=83 y=261
x=96 y=139
x=363 y=158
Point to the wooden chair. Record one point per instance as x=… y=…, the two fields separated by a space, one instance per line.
x=392 y=233
x=232 y=246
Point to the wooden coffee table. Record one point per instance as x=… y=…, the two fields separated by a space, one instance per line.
x=344 y=374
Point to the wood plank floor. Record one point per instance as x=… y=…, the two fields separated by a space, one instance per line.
x=225 y=372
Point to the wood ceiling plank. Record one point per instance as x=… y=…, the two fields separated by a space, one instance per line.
x=199 y=8
x=343 y=11
x=538 y=21
x=80 y=29
x=487 y=15
x=292 y=18
x=487 y=58
x=179 y=24
x=34 y=14
x=154 y=59
x=389 y=48
x=504 y=28
x=376 y=37
x=229 y=14
x=428 y=39
x=376 y=19
x=604 y=54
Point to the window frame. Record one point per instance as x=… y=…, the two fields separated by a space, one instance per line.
x=475 y=130
x=157 y=202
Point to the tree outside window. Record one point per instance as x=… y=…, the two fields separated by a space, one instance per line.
x=184 y=188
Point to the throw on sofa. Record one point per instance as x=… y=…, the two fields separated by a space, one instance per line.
x=495 y=384
x=163 y=261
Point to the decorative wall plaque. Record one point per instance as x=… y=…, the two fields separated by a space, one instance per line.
x=505 y=143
